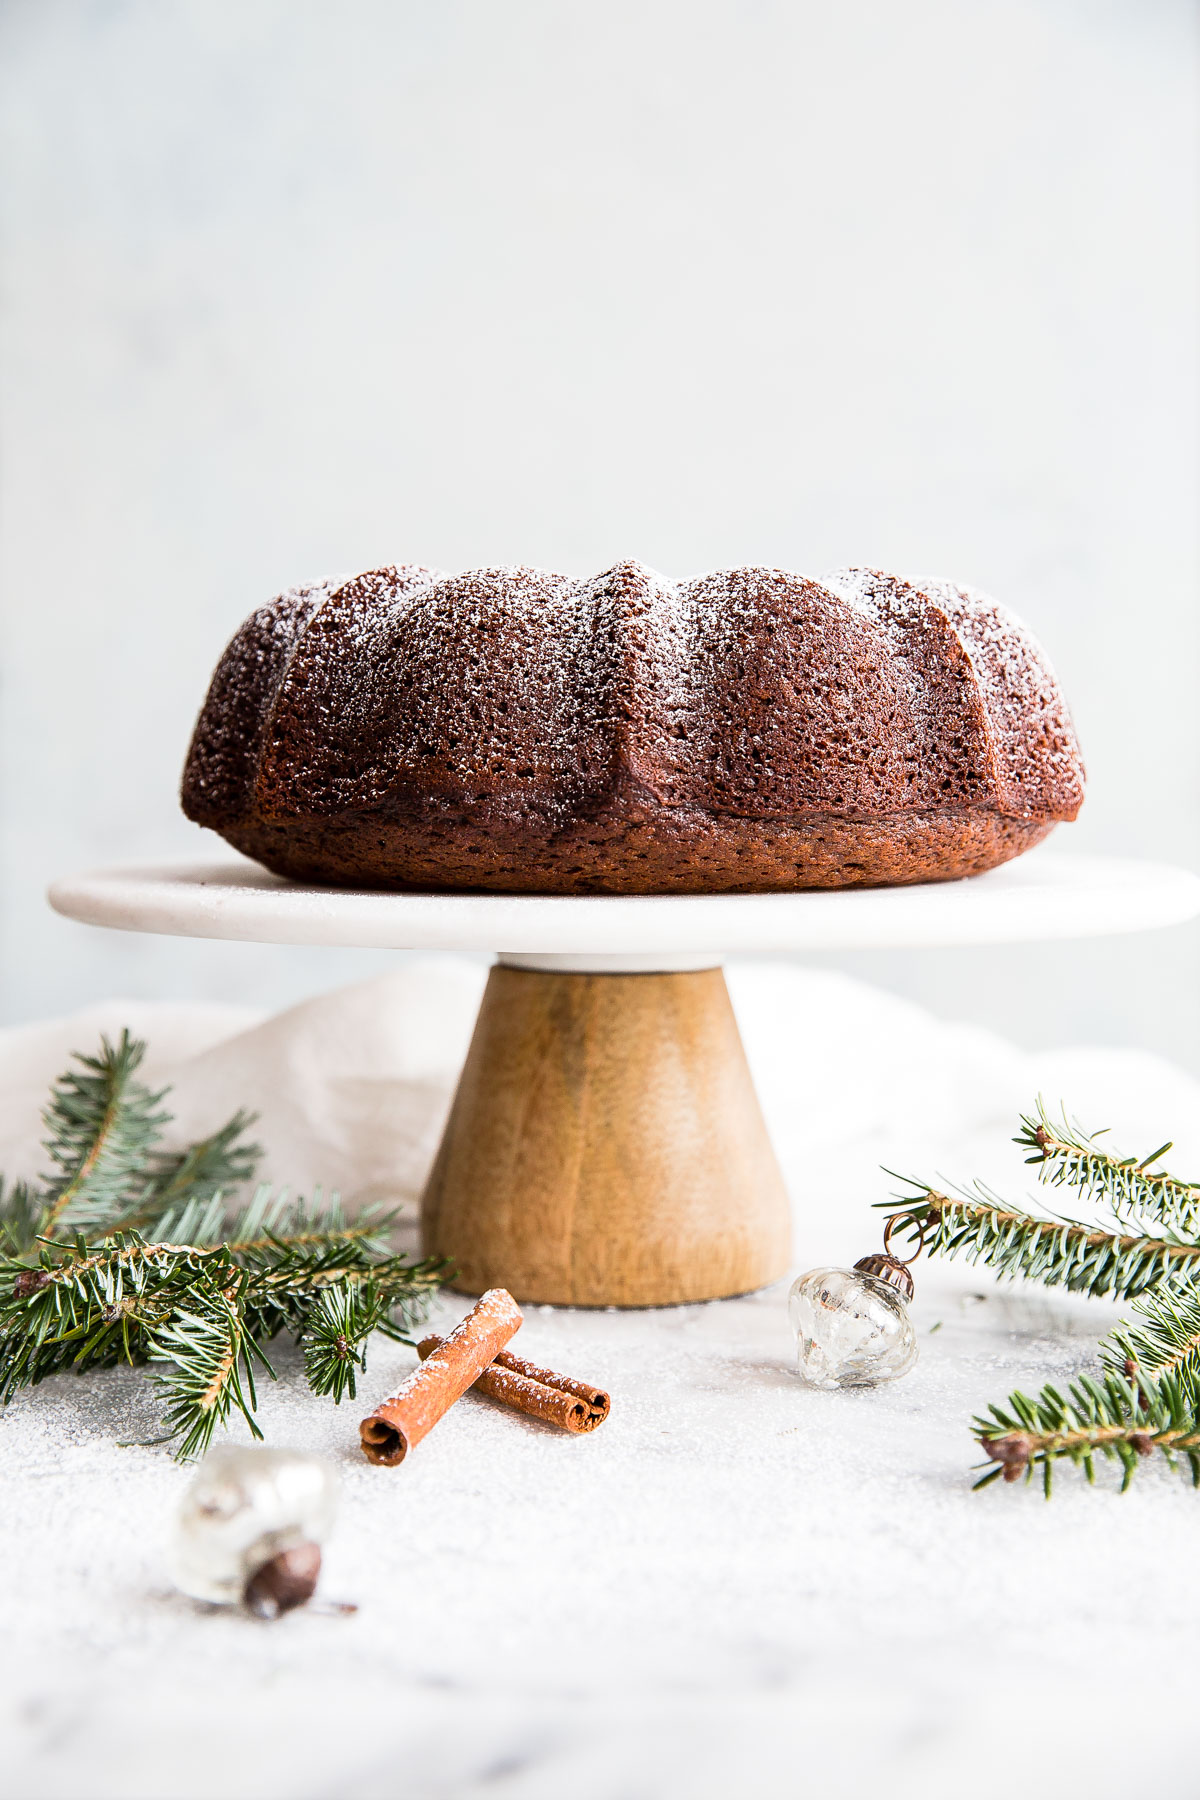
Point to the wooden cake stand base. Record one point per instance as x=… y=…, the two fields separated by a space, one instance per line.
x=605 y=1146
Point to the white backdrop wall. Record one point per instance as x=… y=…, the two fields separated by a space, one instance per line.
x=294 y=288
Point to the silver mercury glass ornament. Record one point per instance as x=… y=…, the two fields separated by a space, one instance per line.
x=251 y=1526
x=852 y=1325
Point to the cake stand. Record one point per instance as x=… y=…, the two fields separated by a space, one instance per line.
x=605 y=1145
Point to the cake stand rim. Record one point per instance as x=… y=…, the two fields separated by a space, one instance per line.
x=1043 y=896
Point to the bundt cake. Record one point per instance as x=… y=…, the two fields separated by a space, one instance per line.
x=739 y=732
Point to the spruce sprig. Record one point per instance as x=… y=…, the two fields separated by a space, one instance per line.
x=218 y=1164
x=1118 y=1418
x=1147 y=1398
x=127 y=1254
x=1067 y=1156
x=339 y=1325
x=1161 y=1338
x=103 y=1127
x=981 y=1227
x=21 y=1210
x=212 y=1353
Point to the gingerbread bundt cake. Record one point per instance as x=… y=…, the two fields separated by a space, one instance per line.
x=740 y=732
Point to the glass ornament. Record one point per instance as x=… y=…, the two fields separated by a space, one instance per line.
x=250 y=1528
x=852 y=1325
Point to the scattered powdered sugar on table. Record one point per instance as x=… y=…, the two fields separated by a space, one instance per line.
x=736 y=1585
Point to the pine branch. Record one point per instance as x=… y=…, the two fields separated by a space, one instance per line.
x=21 y=1212
x=82 y=1307
x=103 y=1127
x=208 y=1309
x=335 y=1336
x=1056 y=1252
x=129 y=1255
x=282 y=1286
x=270 y=1218
x=1148 y=1399
x=214 y=1165
x=1114 y=1418
x=1162 y=1338
x=1068 y=1156
x=212 y=1356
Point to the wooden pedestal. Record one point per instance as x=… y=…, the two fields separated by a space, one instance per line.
x=605 y=1146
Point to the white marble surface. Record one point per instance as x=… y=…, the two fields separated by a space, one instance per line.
x=735 y=1586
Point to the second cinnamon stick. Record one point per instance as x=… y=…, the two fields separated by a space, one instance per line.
x=541 y=1393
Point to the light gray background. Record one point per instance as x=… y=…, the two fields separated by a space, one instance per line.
x=296 y=288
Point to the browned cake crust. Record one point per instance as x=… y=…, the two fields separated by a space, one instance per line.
x=740 y=732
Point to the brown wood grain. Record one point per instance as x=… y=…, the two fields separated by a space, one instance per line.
x=605 y=1146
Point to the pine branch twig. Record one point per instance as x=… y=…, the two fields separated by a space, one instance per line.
x=21 y=1212
x=1115 y=1418
x=1057 y=1252
x=219 y=1163
x=1162 y=1337
x=1067 y=1156
x=206 y=1308
x=335 y=1335
x=103 y=1128
x=212 y=1355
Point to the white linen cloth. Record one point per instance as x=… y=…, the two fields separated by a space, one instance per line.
x=736 y=1585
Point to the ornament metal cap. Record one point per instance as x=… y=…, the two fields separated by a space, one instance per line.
x=886 y=1268
x=288 y=1579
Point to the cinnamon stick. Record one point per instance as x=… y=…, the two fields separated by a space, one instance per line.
x=542 y=1394
x=393 y=1428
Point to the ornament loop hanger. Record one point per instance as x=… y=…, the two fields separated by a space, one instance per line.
x=890 y=1225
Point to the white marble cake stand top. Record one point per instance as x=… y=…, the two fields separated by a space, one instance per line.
x=1043 y=895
